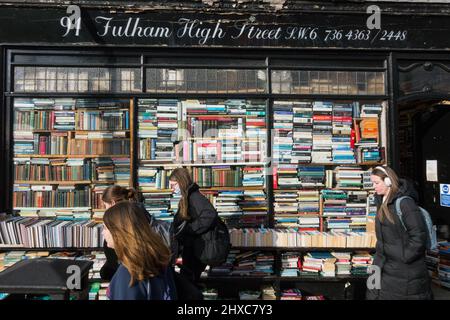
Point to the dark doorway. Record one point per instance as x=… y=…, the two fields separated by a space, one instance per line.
x=424 y=135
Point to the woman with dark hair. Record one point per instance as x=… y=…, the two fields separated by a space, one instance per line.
x=195 y=216
x=113 y=195
x=400 y=253
x=144 y=272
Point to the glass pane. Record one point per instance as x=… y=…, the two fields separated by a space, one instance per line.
x=59 y=79
x=328 y=82
x=204 y=80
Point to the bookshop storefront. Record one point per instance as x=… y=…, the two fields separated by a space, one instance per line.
x=275 y=115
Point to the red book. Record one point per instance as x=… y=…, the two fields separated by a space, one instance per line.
x=42 y=145
x=352 y=139
x=275 y=177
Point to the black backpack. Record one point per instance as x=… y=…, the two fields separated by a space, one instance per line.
x=213 y=246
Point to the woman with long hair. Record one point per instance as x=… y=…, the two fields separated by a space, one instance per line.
x=144 y=272
x=116 y=194
x=195 y=216
x=400 y=253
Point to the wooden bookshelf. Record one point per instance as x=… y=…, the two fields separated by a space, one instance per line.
x=118 y=121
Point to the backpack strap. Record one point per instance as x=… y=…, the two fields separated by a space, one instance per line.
x=398 y=210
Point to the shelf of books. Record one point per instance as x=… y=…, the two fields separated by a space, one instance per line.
x=323 y=152
x=223 y=145
x=66 y=152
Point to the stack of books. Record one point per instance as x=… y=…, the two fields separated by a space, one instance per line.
x=343 y=263
x=264 y=264
x=210 y=294
x=319 y=262
x=122 y=171
x=249 y=295
x=342 y=127
x=253 y=177
x=334 y=206
x=302 y=132
x=255 y=126
x=349 y=178
x=227 y=203
x=285 y=176
x=361 y=262
x=356 y=209
x=148 y=128
x=167 y=123
x=244 y=264
x=268 y=292
x=371 y=110
x=290 y=264
x=322 y=132
x=158 y=202
x=254 y=207
x=283 y=126
x=310 y=177
x=291 y=294
x=286 y=208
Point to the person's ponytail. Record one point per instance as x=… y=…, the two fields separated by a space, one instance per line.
x=117 y=193
x=131 y=194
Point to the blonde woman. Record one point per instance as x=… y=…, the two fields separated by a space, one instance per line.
x=400 y=253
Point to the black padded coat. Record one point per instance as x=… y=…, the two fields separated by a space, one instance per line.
x=400 y=253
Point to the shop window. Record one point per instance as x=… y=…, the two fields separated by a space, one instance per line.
x=426 y=77
x=201 y=80
x=59 y=79
x=328 y=82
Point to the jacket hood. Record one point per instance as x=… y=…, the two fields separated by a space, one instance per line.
x=406 y=188
x=193 y=187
